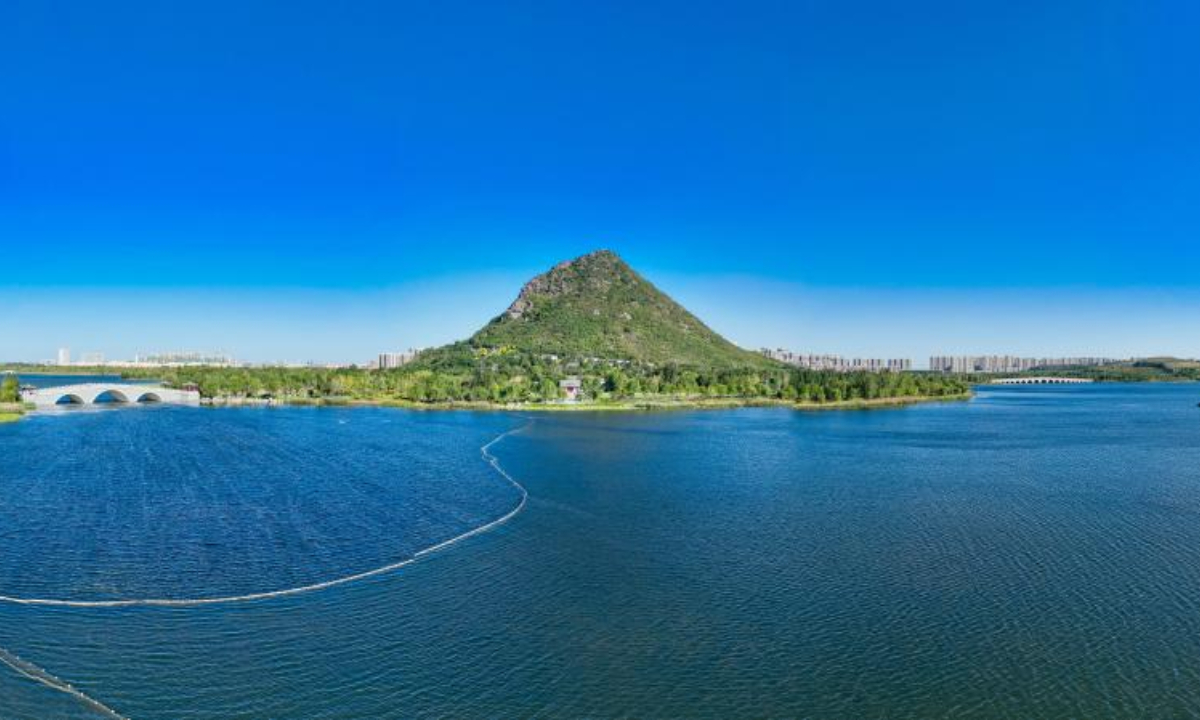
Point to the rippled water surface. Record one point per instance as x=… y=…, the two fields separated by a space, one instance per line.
x=1033 y=553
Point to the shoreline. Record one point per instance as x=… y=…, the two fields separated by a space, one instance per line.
x=11 y=412
x=636 y=405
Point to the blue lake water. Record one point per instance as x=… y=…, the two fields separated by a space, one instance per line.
x=1032 y=553
x=48 y=380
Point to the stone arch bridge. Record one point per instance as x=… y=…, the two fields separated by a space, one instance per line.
x=107 y=394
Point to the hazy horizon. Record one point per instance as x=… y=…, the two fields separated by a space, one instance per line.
x=277 y=325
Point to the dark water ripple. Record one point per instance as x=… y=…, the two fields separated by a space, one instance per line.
x=1035 y=553
x=170 y=503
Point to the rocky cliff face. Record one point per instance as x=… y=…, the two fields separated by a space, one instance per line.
x=594 y=273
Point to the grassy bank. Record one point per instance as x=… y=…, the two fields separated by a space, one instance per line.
x=718 y=403
x=11 y=412
x=882 y=402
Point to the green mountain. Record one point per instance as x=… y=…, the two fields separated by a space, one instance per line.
x=596 y=306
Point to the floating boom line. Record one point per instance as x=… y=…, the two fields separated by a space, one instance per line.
x=38 y=675
x=324 y=585
x=42 y=677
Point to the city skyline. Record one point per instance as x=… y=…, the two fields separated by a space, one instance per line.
x=391 y=359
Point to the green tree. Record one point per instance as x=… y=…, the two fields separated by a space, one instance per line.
x=10 y=391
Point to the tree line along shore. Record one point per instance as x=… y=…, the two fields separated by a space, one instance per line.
x=470 y=378
x=505 y=380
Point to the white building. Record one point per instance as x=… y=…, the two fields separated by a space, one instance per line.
x=64 y=356
x=572 y=389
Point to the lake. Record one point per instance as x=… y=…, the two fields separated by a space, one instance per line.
x=49 y=380
x=1032 y=553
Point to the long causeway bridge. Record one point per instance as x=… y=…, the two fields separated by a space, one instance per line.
x=107 y=394
x=1042 y=381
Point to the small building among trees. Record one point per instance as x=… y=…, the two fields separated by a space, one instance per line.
x=572 y=389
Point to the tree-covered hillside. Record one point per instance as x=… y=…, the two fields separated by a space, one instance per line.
x=596 y=306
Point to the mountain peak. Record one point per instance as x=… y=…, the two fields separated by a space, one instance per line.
x=597 y=306
x=601 y=255
x=598 y=270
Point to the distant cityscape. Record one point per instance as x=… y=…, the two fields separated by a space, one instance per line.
x=837 y=363
x=1009 y=363
x=960 y=364
x=166 y=359
x=192 y=358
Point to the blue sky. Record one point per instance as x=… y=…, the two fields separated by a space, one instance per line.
x=294 y=181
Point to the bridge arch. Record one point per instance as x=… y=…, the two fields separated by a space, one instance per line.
x=149 y=398
x=112 y=395
x=69 y=399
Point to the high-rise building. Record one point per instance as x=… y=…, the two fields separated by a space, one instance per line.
x=64 y=356
x=387 y=361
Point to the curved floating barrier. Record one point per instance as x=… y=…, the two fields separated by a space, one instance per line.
x=270 y=595
x=38 y=675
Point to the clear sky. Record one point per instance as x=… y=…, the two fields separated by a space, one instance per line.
x=324 y=181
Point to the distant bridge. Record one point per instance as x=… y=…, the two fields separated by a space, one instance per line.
x=1042 y=381
x=107 y=393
